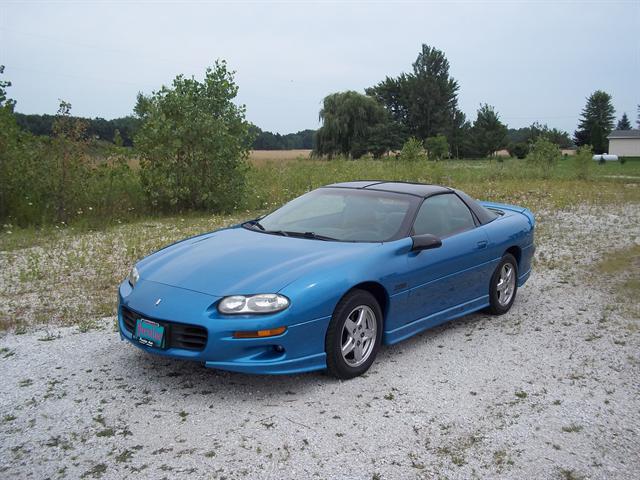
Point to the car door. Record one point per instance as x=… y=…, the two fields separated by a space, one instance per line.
x=444 y=279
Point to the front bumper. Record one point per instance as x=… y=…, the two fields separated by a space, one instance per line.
x=299 y=349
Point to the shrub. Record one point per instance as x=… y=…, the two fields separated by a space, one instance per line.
x=519 y=150
x=437 y=147
x=543 y=156
x=412 y=151
x=193 y=143
x=583 y=160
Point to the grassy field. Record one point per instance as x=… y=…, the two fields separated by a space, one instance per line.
x=510 y=180
x=68 y=276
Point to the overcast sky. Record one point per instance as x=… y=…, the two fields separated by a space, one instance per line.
x=531 y=60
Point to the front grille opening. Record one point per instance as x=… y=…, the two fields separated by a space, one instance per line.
x=178 y=335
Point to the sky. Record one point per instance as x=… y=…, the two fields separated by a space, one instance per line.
x=533 y=60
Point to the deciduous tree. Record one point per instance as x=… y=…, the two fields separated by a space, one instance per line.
x=488 y=133
x=352 y=125
x=437 y=147
x=424 y=101
x=193 y=142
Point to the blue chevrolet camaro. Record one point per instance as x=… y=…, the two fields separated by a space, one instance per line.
x=326 y=279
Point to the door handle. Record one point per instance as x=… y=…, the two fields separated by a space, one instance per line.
x=482 y=244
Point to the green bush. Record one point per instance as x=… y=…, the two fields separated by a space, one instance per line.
x=55 y=180
x=437 y=147
x=193 y=143
x=412 y=151
x=519 y=150
x=583 y=161
x=543 y=156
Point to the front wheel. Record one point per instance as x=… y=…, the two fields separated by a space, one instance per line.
x=354 y=335
x=504 y=285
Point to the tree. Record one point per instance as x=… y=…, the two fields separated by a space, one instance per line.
x=531 y=133
x=4 y=101
x=518 y=150
x=193 y=142
x=68 y=145
x=624 y=123
x=412 y=150
x=458 y=134
x=425 y=101
x=596 y=122
x=488 y=133
x=582 y=162
x=9 y=144
x=350 y=121
x=437 y=147
x=544 y=156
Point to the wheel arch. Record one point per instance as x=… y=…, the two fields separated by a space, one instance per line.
x=516 y=251
x=378 y=291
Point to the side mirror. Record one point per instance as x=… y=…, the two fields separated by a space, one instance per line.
x=425 y=242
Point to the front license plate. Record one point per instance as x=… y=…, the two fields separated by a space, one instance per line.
x=149 y=333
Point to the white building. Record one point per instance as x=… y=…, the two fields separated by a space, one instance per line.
x=624 y=143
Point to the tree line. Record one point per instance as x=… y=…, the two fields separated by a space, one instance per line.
x=191 y=141
x=422 y=106
x=121 y=131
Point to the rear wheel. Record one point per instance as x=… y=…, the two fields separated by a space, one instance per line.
x=504 y=285
x=354 y=335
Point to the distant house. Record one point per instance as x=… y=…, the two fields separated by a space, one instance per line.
x=624 y=143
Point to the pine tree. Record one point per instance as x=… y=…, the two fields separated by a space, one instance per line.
x=624 y=123
x=596 y=122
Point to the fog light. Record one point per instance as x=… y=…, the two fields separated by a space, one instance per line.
x=272 y=332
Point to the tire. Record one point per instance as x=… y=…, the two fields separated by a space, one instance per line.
x=363 y=334
x=501 y=296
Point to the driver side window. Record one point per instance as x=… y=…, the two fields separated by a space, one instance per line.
x=443 y=215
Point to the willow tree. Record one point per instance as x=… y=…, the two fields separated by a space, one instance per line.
x=353 y=124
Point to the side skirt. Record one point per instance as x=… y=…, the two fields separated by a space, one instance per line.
x=417 y=326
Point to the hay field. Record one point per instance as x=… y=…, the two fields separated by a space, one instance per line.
x=260 y=157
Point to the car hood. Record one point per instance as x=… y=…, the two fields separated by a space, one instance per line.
x=241 y=261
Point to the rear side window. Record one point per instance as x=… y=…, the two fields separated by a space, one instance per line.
x=443 y=215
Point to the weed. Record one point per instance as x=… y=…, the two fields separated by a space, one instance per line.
x=572 y=428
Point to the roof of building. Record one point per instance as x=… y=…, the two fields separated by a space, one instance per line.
x=624 y=134
x=418 y=189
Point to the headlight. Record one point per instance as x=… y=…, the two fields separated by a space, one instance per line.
x=262 y=303
x=134 y=276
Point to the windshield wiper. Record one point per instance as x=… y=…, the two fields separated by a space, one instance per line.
x=311 y=235
x=256 y=225
x=253 y=223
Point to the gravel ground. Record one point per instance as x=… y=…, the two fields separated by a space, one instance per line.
x=550 y=390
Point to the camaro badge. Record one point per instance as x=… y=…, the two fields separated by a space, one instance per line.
x=158 y=301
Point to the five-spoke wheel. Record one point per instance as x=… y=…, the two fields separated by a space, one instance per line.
x=354 y=335
x=504 y=285
x=359 y=335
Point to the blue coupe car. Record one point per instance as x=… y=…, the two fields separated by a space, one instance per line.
x=326 y=279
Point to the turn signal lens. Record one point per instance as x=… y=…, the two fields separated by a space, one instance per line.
x=272 y=332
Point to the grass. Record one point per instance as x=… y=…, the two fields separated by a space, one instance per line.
x=620 y=271
x=69 y=275
x=508 y=181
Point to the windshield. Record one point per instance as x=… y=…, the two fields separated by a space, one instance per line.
x=343 y=214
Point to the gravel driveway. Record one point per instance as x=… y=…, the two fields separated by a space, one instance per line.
x=550 y=390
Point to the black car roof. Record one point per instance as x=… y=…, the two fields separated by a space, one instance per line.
x=417 y=189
